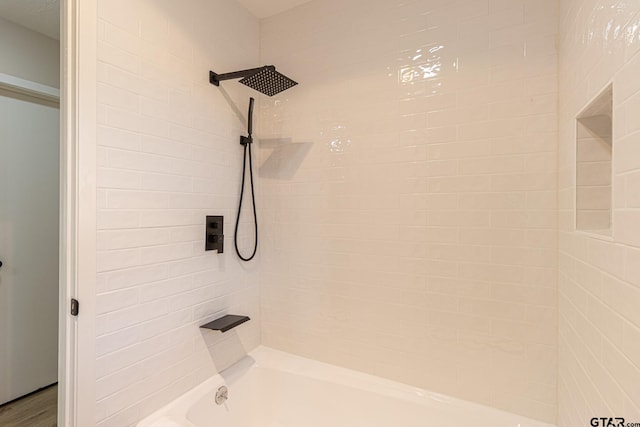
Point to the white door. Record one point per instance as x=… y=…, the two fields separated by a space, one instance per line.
x=29 y=194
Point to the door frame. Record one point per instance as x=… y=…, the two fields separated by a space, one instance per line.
x=78 y=128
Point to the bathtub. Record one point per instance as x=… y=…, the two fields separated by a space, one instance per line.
x=269 y=388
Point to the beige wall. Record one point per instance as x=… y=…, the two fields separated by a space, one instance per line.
x=599 y=278
x=168 y=155
x=409 y=194
x=29 y=55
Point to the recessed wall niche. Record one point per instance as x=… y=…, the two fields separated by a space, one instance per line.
x=593 y=165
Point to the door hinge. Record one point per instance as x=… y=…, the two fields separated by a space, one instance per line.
x=75 y=307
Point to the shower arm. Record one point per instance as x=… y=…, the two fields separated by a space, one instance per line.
x=215 y=79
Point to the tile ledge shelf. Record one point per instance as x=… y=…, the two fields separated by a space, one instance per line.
x=606 y=235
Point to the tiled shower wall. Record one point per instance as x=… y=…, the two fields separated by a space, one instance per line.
x=408 y=194
x=168 y=155
x=599 y=278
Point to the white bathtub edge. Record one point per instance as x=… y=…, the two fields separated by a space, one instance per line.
x=175 y=413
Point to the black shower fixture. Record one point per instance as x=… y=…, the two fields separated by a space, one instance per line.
x=264 y=79
x=246 y=142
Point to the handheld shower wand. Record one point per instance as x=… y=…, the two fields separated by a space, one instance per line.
x=246 y=141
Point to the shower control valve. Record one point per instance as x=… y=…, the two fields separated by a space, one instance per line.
x=214 y=234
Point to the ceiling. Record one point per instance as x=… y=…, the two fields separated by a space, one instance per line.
x=266 y=8
x=42 y=16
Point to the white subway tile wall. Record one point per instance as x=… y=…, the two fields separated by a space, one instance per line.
x=408 y=194
x=599 y=279
x=168 y=156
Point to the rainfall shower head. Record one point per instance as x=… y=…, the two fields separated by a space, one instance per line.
x=268 y=81
x=264 y=79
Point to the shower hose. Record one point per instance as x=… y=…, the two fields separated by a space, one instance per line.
x=246 y=142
